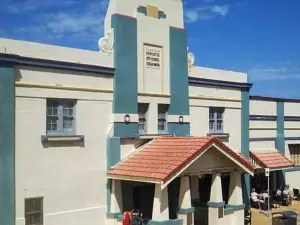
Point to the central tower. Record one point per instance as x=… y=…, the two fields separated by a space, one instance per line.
x=150 y=56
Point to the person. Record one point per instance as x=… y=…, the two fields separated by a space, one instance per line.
x=126 y=218
x=135 y=217
x=286 y=195
x=255 y=198
x=290 y=195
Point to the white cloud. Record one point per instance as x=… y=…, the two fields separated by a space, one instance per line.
x=206 y=12
x=291 y=72
x=28 y=6
x=80 y=23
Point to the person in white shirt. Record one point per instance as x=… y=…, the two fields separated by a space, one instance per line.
x=255 y=198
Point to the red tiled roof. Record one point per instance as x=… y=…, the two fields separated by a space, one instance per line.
x=271 y=159
x=164 y=156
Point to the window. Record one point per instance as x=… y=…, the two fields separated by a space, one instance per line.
x=60 y=117
x=142 y=125
x=295 y=153
x=216 y=120
x=162 y=118
x=34 y=211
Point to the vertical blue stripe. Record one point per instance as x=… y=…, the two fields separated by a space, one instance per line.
x=7 y=145
x=179 y=88
x=245 y=142
x=113 y=156
x=125 y=80
x=280 y=138
x=125 y=62
x=245 y=123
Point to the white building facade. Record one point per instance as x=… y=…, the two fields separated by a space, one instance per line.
x=88 y=135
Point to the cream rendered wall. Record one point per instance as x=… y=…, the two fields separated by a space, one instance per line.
x=291 y=125
x=51 y=52
x=217 y=74
x=262 y=129
x=262 y=145
x=153 y=80
x=215 y=92
x=70 y=177
x=292 y=178
x=257 y=124
x=263 y=108
x=199 y=117
x=46 y=76
x=291 y=109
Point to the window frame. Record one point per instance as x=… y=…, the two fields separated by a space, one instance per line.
x=34 y=213
x=162 y=113
x=216 y=111
x=142 y=112
x=294 y=150
x=61 y=105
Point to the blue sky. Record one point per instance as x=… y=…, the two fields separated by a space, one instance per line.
x=260 y=37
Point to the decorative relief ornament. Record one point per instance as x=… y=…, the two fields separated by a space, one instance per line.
x=191 y=60
x=106 y=43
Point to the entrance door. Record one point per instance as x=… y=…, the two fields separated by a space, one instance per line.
x=143 y=199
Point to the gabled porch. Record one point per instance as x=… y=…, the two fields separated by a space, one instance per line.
x=166 y=161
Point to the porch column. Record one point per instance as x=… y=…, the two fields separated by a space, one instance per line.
x=115 y=212
x=235 y=201
x=186 y=212
x=160 y=204
x=195 y=188
x=216 y=203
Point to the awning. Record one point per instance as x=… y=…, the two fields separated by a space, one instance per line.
x=165 y=158
x=272 y=159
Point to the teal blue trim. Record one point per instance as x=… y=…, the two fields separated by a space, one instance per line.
x=7 y=144
x=178 y=129
x=142 y=9
x=216 y=204
x=124 y=130
x=125 y=60
x=113 y=156
x=179 y=87
x=196 y=81
x=120 y=217
x=114 y=215
x=236 y=207
x=228 y=211
x=245 y=123
x=108 y=193
x=262 y=139
x=54 y=64
x=245 y=139
x=186 y=210
x=280 y=139
x=162 y=15
x=113 y=151
x=246 y=190
x=166 y=222
x=292 y=138
x=295 y=168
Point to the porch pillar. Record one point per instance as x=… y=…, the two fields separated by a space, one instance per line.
x=186 y=212
x=160 y=204
x=235 y=201
x=216 y=203
x=115 y=212
x=195 y=188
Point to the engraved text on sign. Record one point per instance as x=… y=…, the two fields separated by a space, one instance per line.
x=152 y=59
